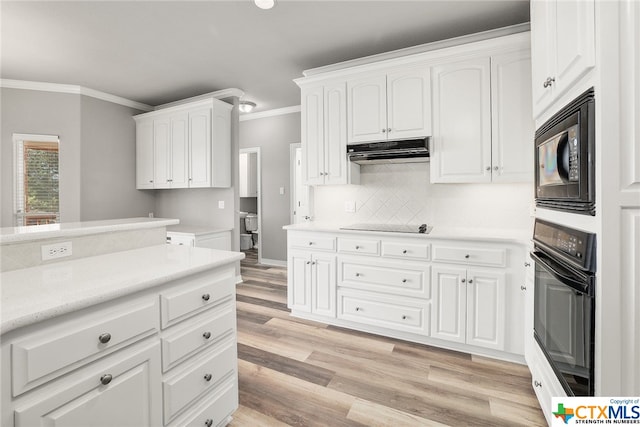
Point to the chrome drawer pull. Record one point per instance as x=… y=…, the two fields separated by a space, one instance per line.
x=357 y=247
x=208 y=423
x=206 y=297
x=404 y=280
x=104 y=338
x=206 y=335
x=467 y=256
x=208 y=377
x=404 y=317
x=106 y=379
x=358 y=309
x=404 y=251
x=537 y=384
x=357 y=274
x=524 y=288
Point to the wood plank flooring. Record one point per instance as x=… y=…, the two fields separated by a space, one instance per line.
x=294 y=372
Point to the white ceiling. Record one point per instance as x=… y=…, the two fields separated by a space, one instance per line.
x=162 y=51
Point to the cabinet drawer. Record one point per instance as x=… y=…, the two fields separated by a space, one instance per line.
x=394 y=313
x=200 y=377
x=412 y=251
x=191 y=337
x=470 y=256
x=180 y=239
x=194 y=295
x=385 y=278
x=313 y=242
x=359 y=246
x=213 y=410
x=49 y=353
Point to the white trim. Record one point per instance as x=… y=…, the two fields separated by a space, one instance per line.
x=34 y=137
x=271 y=113
x=274 y=262
x=73 y=89
x=422 y=48
x=220 y=94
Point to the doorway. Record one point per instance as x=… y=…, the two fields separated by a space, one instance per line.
x=250 y=185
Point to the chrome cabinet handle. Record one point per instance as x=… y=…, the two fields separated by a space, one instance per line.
x=548 y=82
x=537 y=384
x=206 y=297
x=488 y=168
x=357 y=274
x=470 y=281
x=388 y=129
x=463 y=280
x=404 y=280
x=527 y=264
x=310 y=243
x=358 y=309
x=404 y=251
x=467 y=256
x=208 y=423
x=208 y=377
x=150 y=180
x=104 y=338
x=384 y=131
x=106 y=379
x=357 y=247
x=308 y=262
x=495 y=168
x=206 y=335
x=524 y=288
x=404 y=317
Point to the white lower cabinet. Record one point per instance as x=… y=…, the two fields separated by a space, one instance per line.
x=469 y=306
x=167 y=356
x=463 y=295
x=312 y=282
x=121 y=390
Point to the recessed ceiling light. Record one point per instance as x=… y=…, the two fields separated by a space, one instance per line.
x=265 y=4
x=246 y=106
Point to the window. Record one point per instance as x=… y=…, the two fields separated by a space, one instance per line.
x=37 y=190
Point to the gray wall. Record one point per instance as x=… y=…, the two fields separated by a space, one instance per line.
x=97 y=153
x=273 y=135
x=108 y=163
x=197 y=206
x=43 y=113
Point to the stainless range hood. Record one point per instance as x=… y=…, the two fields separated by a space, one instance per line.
x=402 y=151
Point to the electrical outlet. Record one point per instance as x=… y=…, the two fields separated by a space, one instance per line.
x=220 y=204
x=56 y=250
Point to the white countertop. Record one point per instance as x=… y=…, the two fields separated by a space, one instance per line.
x=459 y=233
x=39 y=293
x=196 y=230
x=72 y=229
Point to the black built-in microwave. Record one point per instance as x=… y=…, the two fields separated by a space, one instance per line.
x=565 y=158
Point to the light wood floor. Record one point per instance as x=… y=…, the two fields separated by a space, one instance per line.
x=300 y=373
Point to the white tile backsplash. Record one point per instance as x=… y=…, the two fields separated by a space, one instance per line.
x=402 y=193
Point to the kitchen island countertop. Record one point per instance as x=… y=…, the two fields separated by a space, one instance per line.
x=39 y=293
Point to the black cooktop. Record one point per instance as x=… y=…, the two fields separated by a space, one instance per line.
x=396 y=228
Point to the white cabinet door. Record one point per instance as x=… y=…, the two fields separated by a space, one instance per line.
x=144 y=154
x=449 y=304
x=574 y=41
x=542 y=58
x=200 y=148
x=179 y=152
x=248 y=175
x=313 y=135
x=563 y=47
x=132 y=397
x=220 y=145
x=409 y=103
x=324 y=284
x=335 y=134
x=511 y=118
x=299 y=276
x=162 y=153
x=486 y=309
x=461 y=122
x=367 y=109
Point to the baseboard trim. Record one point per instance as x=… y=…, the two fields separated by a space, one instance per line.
x=274 y=262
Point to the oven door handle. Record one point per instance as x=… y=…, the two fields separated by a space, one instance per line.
x=570 y=281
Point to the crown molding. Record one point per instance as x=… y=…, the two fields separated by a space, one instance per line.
x=271 y=113
x=73 y=89
x=219 y=94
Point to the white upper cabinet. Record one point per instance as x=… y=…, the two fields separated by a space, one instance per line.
x=248 y=175
x=391 y=106
x=482 y=122
x=461 y=147
x=186 y=146
x=324 y=136
x=512 y=126
x=563 y=47
x=144 y=154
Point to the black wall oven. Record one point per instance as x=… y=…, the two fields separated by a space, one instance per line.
x=564 y=303
x=565 y=158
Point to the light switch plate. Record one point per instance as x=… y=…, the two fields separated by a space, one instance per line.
x=220 y=204
x=349 y=206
